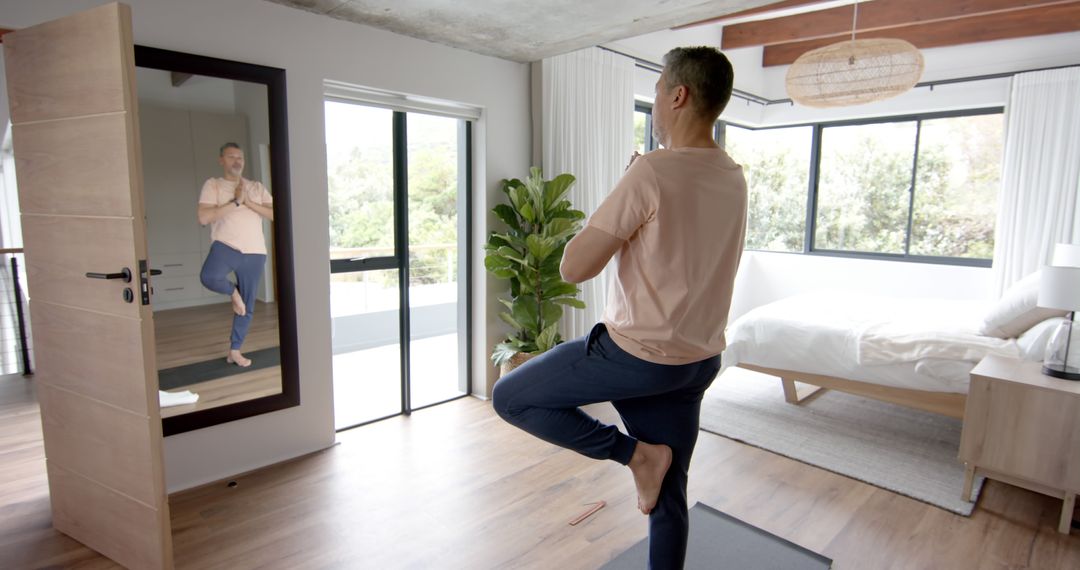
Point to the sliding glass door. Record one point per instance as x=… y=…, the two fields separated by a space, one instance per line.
x=398 y=203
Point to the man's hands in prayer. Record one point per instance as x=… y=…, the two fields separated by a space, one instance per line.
x=239 y=194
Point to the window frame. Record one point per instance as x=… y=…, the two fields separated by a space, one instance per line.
x=814 y=179
x=646 y=108
x=399 y=260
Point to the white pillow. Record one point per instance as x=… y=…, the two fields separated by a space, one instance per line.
x=1033 y=342
x=1016 y=312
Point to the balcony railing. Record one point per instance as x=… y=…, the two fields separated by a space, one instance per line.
x=15 y=349
x=429 y=264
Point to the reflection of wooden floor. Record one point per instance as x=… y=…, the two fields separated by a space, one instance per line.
x=197 y=334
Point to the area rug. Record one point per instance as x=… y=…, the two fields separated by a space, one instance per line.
x=189 y=374
x=721 y=542
x=906 y=451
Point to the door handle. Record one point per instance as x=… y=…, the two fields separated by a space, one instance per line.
x=155 y=272
x=125 y=275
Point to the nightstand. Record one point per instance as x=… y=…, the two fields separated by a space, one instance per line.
x=1023 y=428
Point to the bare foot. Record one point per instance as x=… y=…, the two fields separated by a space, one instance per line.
x=238 y=359
x=649 y=465
x=238 y=306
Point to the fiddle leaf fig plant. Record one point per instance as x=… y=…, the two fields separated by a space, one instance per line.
x=540 y=222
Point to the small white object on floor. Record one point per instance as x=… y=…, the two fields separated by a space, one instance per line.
x=167 y=399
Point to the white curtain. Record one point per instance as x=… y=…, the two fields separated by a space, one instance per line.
x=587 y=129
x=1040 y=181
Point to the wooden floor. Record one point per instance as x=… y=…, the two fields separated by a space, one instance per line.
x=197 y=334
x=455 y=487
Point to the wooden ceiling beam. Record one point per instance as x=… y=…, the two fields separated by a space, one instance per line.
x=1034 y=21
x=873 y=16
x=749 y=12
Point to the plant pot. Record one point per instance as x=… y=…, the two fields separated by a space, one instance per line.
x=515 y=361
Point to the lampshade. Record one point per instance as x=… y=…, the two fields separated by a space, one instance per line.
x=853 y=72
x=1059 y=288
x=1066 y=255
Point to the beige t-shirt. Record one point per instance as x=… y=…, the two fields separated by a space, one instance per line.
x=682 y=214
x=240 y=228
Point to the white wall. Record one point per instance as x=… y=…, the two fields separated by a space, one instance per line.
x=951 y=97
x=312 y=48
x=766 y=276
x=198 y=93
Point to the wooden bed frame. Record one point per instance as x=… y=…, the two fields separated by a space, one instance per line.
x=945 y=403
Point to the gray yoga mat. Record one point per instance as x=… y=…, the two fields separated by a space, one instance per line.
x=189 y=374
x=721 y=542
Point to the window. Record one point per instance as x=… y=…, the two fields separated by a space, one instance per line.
x=640 y=119
x=920 y=188
x=863 y=188
x=776 y=163
x=643 y=139
x=398 y=205
x=958 y=175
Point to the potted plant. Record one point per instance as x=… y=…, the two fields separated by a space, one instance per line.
x=540 y=222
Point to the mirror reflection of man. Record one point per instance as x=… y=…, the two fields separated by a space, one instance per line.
x=234 y=208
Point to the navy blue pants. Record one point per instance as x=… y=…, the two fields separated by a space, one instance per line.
x=659 y=404
x=248 y=268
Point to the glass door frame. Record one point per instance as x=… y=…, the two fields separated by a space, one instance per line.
x=400 y=259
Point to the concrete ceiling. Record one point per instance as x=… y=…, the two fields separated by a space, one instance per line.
x=522 y=30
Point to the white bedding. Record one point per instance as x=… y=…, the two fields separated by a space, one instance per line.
x=922 y=344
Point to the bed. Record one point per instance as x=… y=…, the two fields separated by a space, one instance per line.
x=913 y=352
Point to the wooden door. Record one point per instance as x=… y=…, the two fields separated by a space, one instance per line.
x=71 y=87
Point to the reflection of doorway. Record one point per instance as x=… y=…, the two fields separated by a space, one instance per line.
x=398 y=201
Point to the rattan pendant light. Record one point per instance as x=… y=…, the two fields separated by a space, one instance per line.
x=854 y=71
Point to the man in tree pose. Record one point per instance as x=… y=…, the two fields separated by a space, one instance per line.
x=676 y=220
x=235 y=208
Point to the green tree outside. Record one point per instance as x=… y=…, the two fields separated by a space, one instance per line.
x=362 y=208
x=864 y=186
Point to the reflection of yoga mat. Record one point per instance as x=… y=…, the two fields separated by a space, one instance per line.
x=720 y=541
x=216 y=368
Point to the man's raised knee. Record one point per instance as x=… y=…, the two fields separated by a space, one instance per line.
x=498 y=400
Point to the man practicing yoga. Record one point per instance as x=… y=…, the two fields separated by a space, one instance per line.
x=235 y=208
x=676 y=219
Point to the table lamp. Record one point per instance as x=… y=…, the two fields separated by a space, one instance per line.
x=1059 y=288
x=1066 y=255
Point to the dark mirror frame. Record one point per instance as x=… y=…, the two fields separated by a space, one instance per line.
x=274 y=80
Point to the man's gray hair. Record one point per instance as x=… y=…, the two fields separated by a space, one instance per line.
x=227 y=146
x=706 y=73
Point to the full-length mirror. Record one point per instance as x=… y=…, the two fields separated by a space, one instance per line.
x=215 y=172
